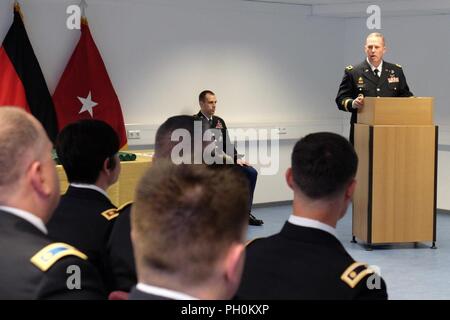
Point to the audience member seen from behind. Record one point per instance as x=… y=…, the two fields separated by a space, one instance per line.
x=88 y=151
x=120 y=250
x=189 y=243
x=32 y=266
x=305 y=260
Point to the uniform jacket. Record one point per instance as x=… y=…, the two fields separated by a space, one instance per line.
x=219 y=123
x=120 y=252
x=23 y=248
x=303 y=263
x=84 y=218
x=361 y=80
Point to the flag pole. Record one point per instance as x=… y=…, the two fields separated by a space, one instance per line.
x=17 y=8
x=83 y=6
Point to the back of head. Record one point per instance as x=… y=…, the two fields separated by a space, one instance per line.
x=21 y=140
x=82 y=148
x=323 y=164
x=182 y=125
x=184 y=219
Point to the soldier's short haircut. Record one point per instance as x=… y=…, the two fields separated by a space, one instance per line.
x=163 y=138
x=202 y=95
x=185 y=217
x=82 y=148
x=378 y=35
x=18 y=136
x=323 y=164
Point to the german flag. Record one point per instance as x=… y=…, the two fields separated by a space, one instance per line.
x=22 y=83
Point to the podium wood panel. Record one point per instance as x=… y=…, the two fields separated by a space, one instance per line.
x=397 y=111
x=394 y=200
x=123 y=190
x=403 y=183
x=361 y=195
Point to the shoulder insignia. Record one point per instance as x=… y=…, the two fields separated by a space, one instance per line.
x=398 y=65
x=251 y=241
x=125 y=205
x=110 y=214
x=47 y=256
x=355 y=273
x=348 y=68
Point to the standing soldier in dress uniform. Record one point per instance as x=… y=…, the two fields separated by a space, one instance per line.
x=371 y=78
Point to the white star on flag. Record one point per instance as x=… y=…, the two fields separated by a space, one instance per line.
x=88 y=104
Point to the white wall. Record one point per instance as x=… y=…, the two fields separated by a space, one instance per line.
x=267 y=63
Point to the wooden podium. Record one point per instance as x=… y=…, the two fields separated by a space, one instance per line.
x=395 y=196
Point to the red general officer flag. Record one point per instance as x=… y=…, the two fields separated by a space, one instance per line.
x=22 y=83
x=85 y=90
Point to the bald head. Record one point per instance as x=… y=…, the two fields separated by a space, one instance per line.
x=22 y=138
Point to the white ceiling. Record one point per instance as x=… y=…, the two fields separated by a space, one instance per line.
x=357 y=8
x=315 y=2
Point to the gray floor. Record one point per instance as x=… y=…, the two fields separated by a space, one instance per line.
x=410 y=273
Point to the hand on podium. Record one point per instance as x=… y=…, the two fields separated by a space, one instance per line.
x=358 y=103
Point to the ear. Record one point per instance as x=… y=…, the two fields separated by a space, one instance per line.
x=289 y=178
x=107 y=166
x=350 y=190
x=234 y=263
x=38 y=179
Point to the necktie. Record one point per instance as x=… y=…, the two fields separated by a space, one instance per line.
x=210 y=122
x=375 y=72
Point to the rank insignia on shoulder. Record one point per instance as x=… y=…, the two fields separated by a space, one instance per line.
x=398 y=65
x=355 y=273
x=47 y=256
x=110 y=214
x=350 y=67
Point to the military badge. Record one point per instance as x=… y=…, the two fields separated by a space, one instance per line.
x=47 y=256
x=393 y=79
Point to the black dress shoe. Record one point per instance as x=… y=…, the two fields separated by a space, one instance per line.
x=253 y=221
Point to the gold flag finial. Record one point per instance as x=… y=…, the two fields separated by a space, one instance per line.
x=83 y=6
x=17 y=8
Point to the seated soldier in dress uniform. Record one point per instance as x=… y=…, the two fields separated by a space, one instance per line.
x=32 y=266
x=207 y=101
x=88 y=151
x=306 y=260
